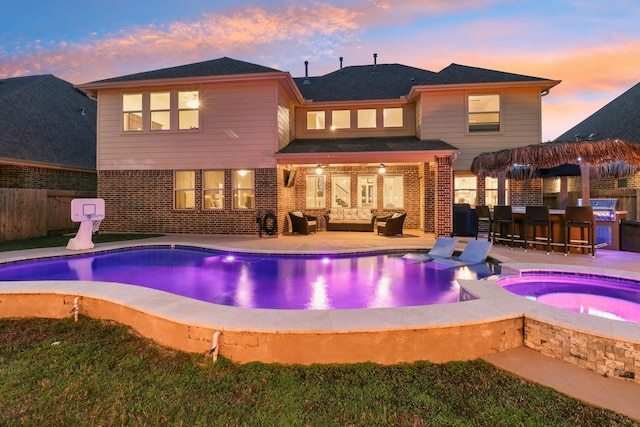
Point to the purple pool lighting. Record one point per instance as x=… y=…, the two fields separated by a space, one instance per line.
x=262 y=281
x=596 y=295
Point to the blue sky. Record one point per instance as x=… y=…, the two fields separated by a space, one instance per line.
x=593 y=46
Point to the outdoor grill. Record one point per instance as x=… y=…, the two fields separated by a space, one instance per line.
x=607 y=222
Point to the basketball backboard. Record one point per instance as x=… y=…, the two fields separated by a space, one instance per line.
x=87 y=210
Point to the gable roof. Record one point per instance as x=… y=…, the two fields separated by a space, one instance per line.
x=363 y=82
x=463 y=74
x=216 y=67
x=619 y=119
x=46 y=121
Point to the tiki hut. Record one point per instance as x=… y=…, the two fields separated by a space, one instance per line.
x=605 y=158
x=590 y=159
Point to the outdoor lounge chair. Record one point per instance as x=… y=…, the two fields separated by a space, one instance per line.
x=391 y=225
x=303 y=224
x=443 y=248
x=475 y=252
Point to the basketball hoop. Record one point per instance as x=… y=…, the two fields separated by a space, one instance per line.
x=96 y=225
x=89 y=213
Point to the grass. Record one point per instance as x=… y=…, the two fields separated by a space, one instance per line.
x=57 y=241
x=57 y=372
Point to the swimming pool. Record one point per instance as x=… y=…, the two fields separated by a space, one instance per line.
x=262 y=281
x=594 y=294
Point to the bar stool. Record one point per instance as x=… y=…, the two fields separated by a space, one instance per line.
x=580 y=217
x=483 y=215
x=537 y=216
x=503 y=216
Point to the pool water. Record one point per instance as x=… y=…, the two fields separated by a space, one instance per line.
x=596 y=295
x=262 y=281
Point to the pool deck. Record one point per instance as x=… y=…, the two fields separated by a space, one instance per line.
x=616 y=394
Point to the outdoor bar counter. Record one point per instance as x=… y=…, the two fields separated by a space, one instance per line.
x=607 y=230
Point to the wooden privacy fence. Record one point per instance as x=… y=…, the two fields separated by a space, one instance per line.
x=27 y=213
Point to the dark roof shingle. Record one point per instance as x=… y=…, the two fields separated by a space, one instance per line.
x=362 y=145
x=363 y=82
x=463 y=74
x=215 y=67
x=44 y=119
x=619 y=119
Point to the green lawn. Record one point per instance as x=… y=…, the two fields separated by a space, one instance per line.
x=56 y=241
x=61 y=373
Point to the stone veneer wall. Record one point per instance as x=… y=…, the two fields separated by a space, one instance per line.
x=12 y=176
x=606 y=356
x=141 y=201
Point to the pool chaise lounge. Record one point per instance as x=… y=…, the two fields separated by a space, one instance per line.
x=475 y=252
x=443 y=248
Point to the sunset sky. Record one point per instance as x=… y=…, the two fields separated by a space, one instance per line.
x=593 y=46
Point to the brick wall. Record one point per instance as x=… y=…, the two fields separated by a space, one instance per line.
x=526 y=192
x=12 y=176
x=429 y=196
x=606 y=356
x=444 y=196
x=141 y=201
x=412 y=196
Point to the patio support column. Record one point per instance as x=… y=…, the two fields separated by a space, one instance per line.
x=563 y=196
x=502 y=188
x=586 y=185
x=444 y=197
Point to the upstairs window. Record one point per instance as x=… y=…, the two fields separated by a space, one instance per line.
x=392 y=118
x=484 y=113
x=340 y=119
x=132 y=112
x=367 y=118
x=160 y=108
x=315 y=120
x=188 y=109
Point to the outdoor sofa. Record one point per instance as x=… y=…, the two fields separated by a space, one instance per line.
x=350 y=219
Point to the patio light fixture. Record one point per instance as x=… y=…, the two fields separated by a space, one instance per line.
x=382 y=168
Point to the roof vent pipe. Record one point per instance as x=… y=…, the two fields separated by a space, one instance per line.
x=375 y=59
x=306 y=73
x=341 y=63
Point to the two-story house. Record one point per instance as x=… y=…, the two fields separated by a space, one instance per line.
x=206 y=147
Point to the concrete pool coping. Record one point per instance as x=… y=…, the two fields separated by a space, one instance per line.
x=494 y=322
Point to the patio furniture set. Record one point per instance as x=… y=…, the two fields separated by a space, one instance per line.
x=349 y=219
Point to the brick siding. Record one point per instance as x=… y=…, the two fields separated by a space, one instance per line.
x=41 y=178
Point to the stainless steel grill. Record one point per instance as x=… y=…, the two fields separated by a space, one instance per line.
x=607 y=222
x=603 y=209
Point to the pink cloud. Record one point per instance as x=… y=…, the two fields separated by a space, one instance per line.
x=243 y=32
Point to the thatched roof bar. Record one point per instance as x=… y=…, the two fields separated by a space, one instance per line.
x=606 y=158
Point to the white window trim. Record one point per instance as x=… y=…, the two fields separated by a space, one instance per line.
x=467 y=113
